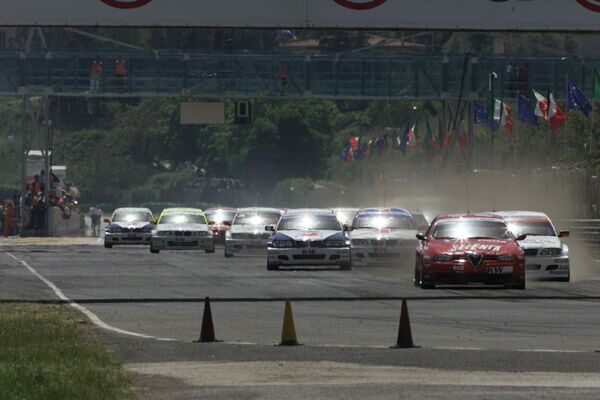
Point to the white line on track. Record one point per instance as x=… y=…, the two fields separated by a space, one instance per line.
x=92 y=317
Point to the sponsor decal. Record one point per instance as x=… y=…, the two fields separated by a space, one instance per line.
x=475 y=247
x=593 y=5
x=126 y=4
x=360 y=5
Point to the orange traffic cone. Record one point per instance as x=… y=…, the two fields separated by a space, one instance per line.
x=207 y=332
x=288 y=333
x=405 y=339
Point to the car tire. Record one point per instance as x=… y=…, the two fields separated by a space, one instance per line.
x=272 y=266
x=210 y=251
x=107 y=245
x=519 y=285
x=427 y=285
x=228 y=255
x=346 y=266
x=567 y=279
x=153 y=250
x=417 y=277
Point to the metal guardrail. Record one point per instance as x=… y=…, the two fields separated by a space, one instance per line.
x=243 y=75
x=584 y=231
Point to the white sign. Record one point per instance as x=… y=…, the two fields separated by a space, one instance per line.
x=535 y=15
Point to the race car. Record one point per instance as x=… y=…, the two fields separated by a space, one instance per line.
x=345 y=215
x=129 y=226
x=247 y=235
x=460 y=249
x=308 y=239
x=182 y=229
x=219 y=220
x=309 y=211
x=545 y=256
x=383 y=236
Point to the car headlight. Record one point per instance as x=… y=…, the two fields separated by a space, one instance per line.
x=443 y=257
x=282 y=243
x=334 y=243
x=551 y=251
x=506 y=257
x=360 y=242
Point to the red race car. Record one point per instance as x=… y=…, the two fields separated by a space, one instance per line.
x=219 y=220
x=459 y=249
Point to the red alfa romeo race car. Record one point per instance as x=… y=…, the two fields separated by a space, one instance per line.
x=460 y=249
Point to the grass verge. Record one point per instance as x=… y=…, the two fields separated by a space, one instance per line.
x=46 y=354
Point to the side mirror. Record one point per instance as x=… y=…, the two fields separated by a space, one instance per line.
x=107 y=220
x=564 y=234
x=521 y=237
x=269 y=228
x=154 y=222
x=346 y=228
x=421 y=236
x=227 y=223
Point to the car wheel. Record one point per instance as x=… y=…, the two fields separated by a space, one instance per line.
x=153 y=250
x=107 y=245
x=210 y=250
x=417 y=277
x=427 y=285
x=519 y=285
x=272 y=266
x=346 y=266
x=228 y=255
x=566 y=279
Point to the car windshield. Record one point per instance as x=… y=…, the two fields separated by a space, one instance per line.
x=345 y=216
x=182 y=218
x=219 y=216
x=131 y=217
x=310 y=222
x=379 y=221
x=535 y=228
x=256 y=218
x=471 y=229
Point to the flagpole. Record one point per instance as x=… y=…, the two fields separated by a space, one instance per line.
x=592 y=130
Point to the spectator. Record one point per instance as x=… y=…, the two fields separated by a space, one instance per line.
x=10 y=223
x=283 y=77
x=95 y=215
x=37 y=186
x=26 y=204
x=96 y=72
x=120 y=73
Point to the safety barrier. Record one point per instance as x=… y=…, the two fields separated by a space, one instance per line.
x=321 y=75
x=585 y=231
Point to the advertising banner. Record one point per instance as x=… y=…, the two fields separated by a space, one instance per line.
x=503 y=15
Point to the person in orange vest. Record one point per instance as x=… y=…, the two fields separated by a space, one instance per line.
x=283 y=77
x=36 y=186
x=120 y=73
x=96 y=72
x=10 y=224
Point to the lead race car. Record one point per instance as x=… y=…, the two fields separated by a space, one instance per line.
x=469 y=248
x=315 y=238
x=129 y=225
x=383 y=236
x=182 y=229
x=247 y=235
x=545 y=256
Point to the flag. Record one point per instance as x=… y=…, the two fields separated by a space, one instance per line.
x=346 y=154
x=462 y=135
x=502 y=116
x=524 y=112
x=444 y=138
x=434 y=142
x=576 y=100
x=596 y=85
x=480 y=114
x=539 y=104
x=354 y=141
x=412 y=137
x=555 y=115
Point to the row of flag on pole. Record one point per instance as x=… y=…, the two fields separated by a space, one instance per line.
x=498 y=114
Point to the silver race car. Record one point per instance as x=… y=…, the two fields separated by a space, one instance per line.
x=247 y=235
x=129 y=226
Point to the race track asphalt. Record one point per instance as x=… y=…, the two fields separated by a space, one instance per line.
x=472 y=342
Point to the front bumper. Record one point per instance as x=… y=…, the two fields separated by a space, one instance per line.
x=462 y=273
x=382 y=255
x=182 y=243
x=127 y=238
x=246 y=246
x=547 y=267
x=308 y=256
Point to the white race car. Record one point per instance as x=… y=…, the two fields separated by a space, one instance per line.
x=383 y=236
x=128 y=226
x=182 y=229
x=308 y=239
x=545 y=256
x=247 y=235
